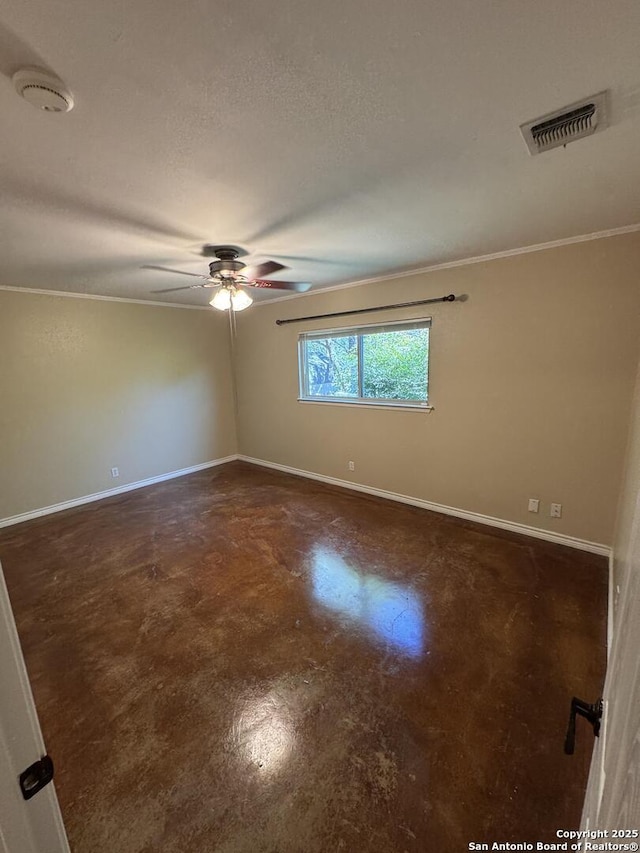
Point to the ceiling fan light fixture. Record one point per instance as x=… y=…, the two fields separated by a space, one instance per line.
x=221 y=299
x=229 y=296
x=240 y=300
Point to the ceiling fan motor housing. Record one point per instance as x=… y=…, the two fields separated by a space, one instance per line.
x=228 y=261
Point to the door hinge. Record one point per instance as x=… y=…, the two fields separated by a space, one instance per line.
x=35 y=777
x=592 y=713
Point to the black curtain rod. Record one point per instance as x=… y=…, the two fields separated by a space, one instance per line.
x=449 y=298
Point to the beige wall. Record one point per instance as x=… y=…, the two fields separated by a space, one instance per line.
x=86 y=385
x=531 y=379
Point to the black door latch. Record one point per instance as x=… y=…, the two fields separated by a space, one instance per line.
x=35 y=777
x=592 y=713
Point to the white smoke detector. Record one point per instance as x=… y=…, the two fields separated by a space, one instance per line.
x=43 y=90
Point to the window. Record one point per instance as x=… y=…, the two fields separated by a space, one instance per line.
x=385 y=364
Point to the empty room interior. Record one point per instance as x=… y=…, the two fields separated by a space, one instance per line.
x=319 y=426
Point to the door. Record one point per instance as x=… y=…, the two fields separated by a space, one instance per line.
x=613 y=793
x=26 y=826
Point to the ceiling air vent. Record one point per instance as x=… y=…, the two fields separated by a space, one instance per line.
x=566 y=125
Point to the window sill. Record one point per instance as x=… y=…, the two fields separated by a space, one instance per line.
x=361 y=404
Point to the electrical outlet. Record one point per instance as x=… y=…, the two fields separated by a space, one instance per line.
x=115 y=473
x=352 y=466
x=534 y=505
x=556 y=511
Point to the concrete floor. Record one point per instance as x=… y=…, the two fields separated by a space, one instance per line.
x=241 y=661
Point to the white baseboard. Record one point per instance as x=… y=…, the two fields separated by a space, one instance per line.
x=514 y=527
x=108 y=493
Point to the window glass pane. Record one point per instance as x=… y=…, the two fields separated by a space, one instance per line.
x=394 y=364
x=332 y=366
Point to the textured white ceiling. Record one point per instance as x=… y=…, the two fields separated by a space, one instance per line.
x=354 y=138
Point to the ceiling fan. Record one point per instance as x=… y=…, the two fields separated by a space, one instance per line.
x=230 y=276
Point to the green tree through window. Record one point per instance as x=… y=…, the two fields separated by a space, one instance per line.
x=332 y=364
x=386 y=362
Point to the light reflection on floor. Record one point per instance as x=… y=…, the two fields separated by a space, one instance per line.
x=392 y=612
x=264 y=732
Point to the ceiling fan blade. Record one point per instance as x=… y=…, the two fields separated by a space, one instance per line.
x=177 y=272
x=298 y=286
x=173 y=289
x=262 y=270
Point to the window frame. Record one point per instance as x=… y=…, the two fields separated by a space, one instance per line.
x=360 y=400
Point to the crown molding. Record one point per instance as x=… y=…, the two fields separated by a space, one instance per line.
x=463 y=262
x=73 y=295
